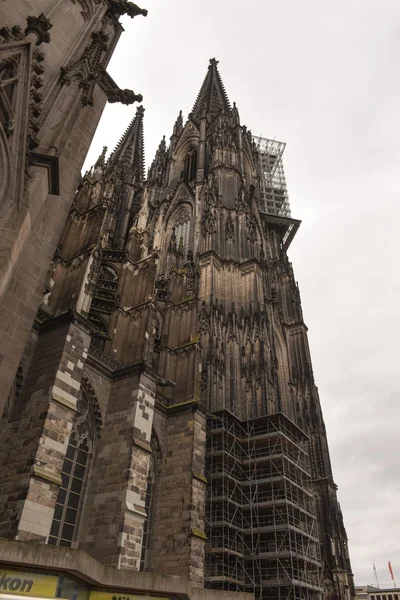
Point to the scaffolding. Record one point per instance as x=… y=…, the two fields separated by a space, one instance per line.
x=273 y=191
x=261 y=520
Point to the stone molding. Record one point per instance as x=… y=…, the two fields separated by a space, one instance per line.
x=51 y=164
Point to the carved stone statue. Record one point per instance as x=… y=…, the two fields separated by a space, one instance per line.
x=172 y=243
x=229 y=228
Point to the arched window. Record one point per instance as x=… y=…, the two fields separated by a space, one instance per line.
x=100 y=335
x=180 y=234
x=108 y=273
x=74 y=475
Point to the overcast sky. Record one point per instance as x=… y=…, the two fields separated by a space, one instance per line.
x=323 y=77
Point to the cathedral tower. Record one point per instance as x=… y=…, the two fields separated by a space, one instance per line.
x=170 y=357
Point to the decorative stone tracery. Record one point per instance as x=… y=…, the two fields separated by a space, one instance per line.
x=20 y=103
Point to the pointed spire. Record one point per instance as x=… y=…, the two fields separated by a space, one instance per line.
x=157 y=169
x=101 y=161
x=178 y=125
x=212 y=97
x=127 y=159
x=235 y=115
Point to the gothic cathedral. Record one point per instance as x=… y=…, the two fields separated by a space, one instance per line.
x=164 y=417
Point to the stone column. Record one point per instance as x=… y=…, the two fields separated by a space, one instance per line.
x=115 y=511
x=178 y=538
x=38 y=429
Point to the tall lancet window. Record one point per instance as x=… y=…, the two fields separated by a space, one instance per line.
x=180 y=234
x=74 y=476
x=190 y=165
x=147 y=522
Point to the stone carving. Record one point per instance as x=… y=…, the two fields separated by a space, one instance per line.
x=108 y=273
x=156 y=449
x=204 y=322
x=172 y=248
x=229 y=234
x=182 y=217
x=15 y=121
x=208 y=222
x=178 y=127
x=251 y=227
x=114 y=255
x=40 y=27
x=88 y=391
x=231 y=328
x=223 y=134
x=123 y=7
x=242 y=204
x=124 y=96
x=87 y=71
x=235 y=115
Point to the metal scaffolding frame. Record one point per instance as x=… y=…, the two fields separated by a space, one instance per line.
x=273 y=190
x=261 y=520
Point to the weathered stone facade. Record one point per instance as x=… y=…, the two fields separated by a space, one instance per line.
x=53 y=88
x=178 y=525
x=39 y=425
x=171 y=301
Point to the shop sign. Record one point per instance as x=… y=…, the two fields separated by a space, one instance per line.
x=21 y=583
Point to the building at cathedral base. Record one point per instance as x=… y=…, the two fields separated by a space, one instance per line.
x=165 y=428
x=33 y=571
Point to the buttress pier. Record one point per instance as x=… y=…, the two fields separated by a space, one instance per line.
x=165 y=417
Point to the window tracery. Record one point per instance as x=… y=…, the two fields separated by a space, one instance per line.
x=74 y=475
x=180 y=234
x=108 y=273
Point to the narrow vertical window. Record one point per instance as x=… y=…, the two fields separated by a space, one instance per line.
x=182 y=236
x=147 y=521
x=190 y=165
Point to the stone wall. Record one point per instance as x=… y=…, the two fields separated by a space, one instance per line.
x=37 y=433
x=115 y=509
x=178 y=538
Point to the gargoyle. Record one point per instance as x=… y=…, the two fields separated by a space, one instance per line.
x=124 y=96
x=123 y=7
